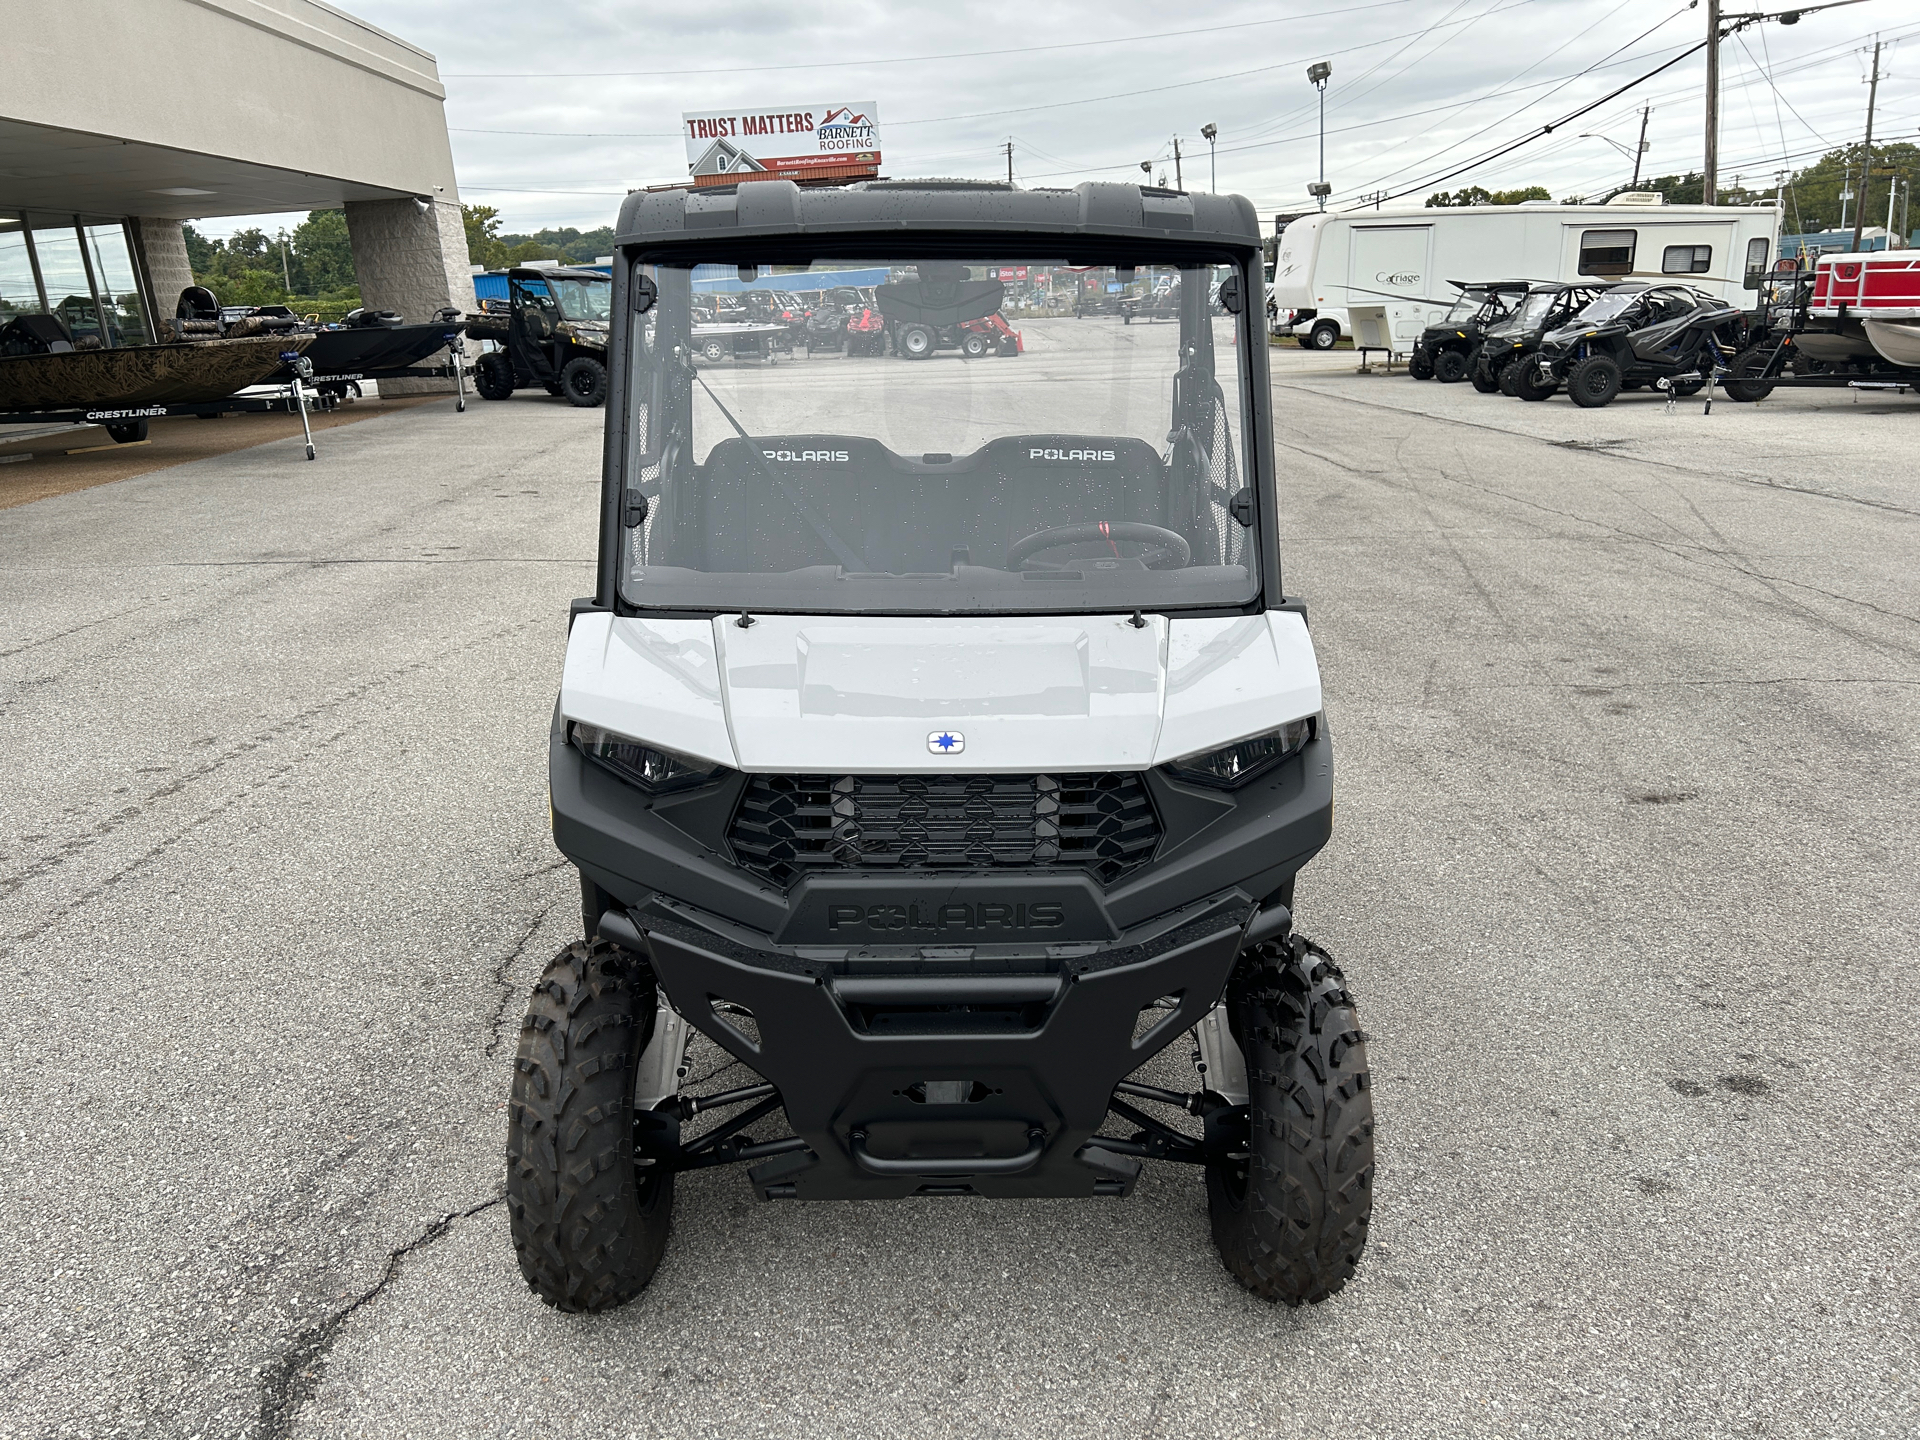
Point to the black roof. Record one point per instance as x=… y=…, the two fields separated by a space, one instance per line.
x=769 y=208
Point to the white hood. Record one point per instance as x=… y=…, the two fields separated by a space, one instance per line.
x=851 y=694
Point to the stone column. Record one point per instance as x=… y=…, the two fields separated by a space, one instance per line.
x=163 y=250
x=412 y=261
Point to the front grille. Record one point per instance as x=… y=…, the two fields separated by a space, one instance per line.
x=788 y=826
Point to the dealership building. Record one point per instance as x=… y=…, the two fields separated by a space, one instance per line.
x=121 y=119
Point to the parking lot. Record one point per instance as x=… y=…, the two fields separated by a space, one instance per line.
x=1623 y=876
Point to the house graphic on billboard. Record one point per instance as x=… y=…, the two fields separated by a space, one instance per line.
x=723 y=157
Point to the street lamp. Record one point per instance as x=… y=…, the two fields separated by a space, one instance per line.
x=1317 y=75
x=1208 y=132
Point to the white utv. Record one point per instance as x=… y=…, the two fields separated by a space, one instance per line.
x=939 y=743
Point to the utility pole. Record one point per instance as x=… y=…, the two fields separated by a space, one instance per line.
x=1710 y=171
x=1866 y=158
x=1009 y=162
x=1640 y=150
x=1179 y=181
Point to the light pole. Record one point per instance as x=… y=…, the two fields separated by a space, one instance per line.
x=1208 y=132
x=285 y=275
x=1318 y=74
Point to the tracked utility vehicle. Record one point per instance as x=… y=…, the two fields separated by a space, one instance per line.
x=943 y=752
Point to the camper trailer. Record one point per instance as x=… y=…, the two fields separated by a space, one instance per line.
x=1405 y=261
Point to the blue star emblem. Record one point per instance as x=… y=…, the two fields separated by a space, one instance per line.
x=946 y=742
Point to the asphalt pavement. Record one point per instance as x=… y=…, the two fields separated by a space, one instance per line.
x=1624 y=877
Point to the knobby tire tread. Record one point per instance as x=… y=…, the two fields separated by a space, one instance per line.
x=589 y=1230
x=1295 y=1229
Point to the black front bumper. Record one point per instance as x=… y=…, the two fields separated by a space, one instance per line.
x=944 y=1084
x=878 y=998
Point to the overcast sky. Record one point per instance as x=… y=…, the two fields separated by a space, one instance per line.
x=556 y=111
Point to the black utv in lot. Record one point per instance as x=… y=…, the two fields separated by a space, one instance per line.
x=1670 y=336
x=1546 y=307
x=1445 y=350
x=552 y=333
x=941 y=762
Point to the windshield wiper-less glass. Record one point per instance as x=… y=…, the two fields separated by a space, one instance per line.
x=948 y=449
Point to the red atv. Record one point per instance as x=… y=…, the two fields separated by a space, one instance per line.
x=866 y=332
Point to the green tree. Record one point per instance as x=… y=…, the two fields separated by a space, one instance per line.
x=200 y=250
x=322 y=254
x=1477 y=195
x=484 y=246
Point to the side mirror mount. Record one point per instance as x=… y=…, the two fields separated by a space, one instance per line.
x=645 y=292
x=1230 y=296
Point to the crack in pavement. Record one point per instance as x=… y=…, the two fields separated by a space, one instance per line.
x=505 y=984
x=289 y=1382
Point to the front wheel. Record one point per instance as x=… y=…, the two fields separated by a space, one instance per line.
x=1450 y=367
x=589 y=1215
x=584 y=382
x=130 y=432
x=493 y=376
x=1419 y=366
x=1290 y=1211
x=1326 y=335
x=1594 y=382
x=973 y=346
x=915 y=342
x=1486 y=379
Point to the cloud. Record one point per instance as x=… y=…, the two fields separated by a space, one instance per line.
x=1418 y=87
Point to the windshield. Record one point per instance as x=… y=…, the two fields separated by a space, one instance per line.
x=1610 y=306
x=583 y=299
x=926 y=454
x=1470 y=304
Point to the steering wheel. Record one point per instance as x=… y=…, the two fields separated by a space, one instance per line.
x=1172 y=554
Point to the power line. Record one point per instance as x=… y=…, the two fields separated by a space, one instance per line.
x=908 y=59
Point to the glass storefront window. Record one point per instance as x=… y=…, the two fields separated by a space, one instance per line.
x=63 y=273
x=18 y=293
x=119 y=290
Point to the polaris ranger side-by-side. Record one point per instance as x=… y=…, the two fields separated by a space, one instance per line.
x=941 y=753
x=553 y=334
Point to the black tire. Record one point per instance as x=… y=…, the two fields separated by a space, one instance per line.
x=1747 y=379
x=915 y=342
x=1486 y=378
x=1290 y=1215
x=493 y=376
x=973 y=346
x=1527 y=383
x=1418 y=366
x=1594 y=382
x=128 y=432
x=1324 y=336
x=1509 y=374
x=589 y=1223
x=553 y=387
x=584 y=382
x=1450 y=367
x=714 y=351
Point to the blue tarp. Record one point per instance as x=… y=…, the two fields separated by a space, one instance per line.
x=727 y=278
x=492 y=284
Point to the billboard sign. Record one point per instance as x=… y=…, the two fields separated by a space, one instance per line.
x=799 y=137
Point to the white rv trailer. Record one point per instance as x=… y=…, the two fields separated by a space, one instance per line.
x=1402 y=259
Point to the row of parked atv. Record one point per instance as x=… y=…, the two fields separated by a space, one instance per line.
x=1530 y=338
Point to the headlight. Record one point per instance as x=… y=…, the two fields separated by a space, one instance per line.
x=1234 y=765
x=647 y=766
